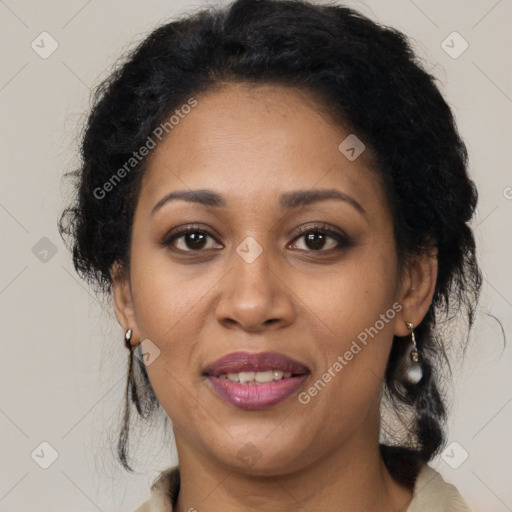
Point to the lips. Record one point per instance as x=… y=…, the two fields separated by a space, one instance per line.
x=243 y=379
x=249 y=362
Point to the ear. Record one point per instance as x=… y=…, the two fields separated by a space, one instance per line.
x=123 y=301
x=416 y=289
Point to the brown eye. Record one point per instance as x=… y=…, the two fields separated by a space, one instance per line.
x=316 y=240
x=321 y=239
x=190 y=240
x=194 y=240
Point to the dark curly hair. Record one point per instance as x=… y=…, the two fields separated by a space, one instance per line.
x=368 y=78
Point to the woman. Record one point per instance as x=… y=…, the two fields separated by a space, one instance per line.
x=277 y=198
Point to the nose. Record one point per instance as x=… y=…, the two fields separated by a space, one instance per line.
x=255 y=298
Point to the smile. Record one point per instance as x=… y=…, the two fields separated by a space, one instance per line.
x=256 y=377
x=255 y=381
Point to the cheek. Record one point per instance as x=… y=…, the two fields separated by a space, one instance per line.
x=352 y=297
x=166 y=295
x=354 y=319
x=169 y=307
x=168 y=314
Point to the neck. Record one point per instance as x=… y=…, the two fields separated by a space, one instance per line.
x=351 y=478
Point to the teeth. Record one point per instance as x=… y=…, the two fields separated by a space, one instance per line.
x=256 y=377
x=278 y=374
x=267 y=376
x=246 y=377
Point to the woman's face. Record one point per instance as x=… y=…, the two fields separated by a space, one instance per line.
x=256 y=275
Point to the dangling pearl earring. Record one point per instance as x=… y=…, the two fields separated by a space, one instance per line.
x=413 y=371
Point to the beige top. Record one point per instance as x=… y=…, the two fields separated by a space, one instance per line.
x=430 y=493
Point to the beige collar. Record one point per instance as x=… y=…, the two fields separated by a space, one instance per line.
x=431 y=492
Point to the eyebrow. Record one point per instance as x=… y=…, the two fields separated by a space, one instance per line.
x=288 y=200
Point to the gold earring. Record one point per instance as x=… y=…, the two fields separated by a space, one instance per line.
x=414 y=352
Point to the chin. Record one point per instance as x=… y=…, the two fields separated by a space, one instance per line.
x=263 y=456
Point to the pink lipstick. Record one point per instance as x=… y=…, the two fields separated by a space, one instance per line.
x=255 y=381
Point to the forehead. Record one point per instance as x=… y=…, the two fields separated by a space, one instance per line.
x=252 y=140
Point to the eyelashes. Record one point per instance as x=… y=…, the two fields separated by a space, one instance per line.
x=309 y=233
x=195 y=239
x=196 y=236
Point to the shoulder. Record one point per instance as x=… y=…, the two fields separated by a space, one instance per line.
x=432 y=492
x=164 y=491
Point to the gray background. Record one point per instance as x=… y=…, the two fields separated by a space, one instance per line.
x=63 y=365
